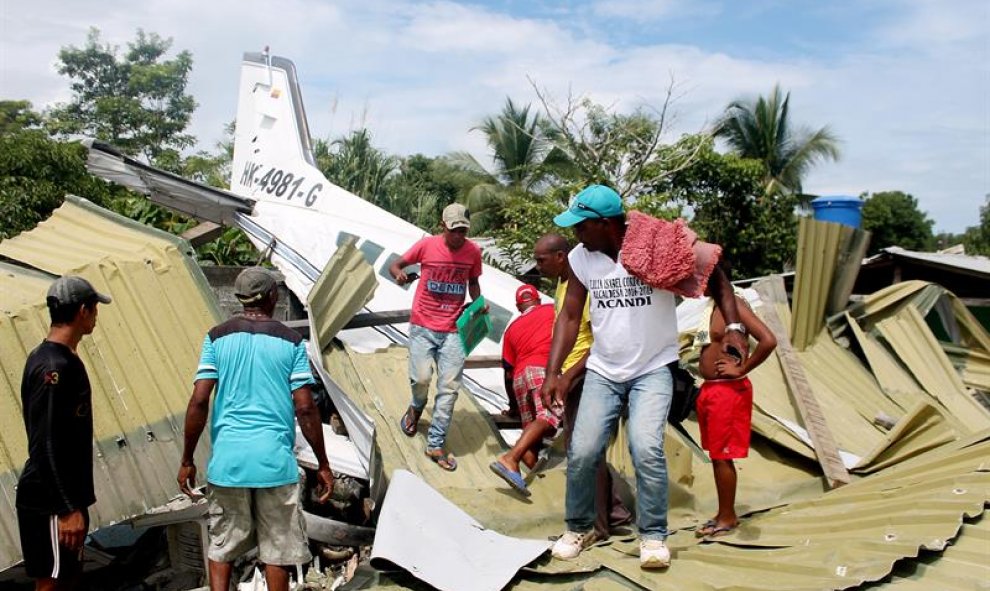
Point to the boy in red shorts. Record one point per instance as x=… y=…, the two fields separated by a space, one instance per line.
x=725 y=404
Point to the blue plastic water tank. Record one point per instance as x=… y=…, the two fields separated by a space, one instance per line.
x=840 y=209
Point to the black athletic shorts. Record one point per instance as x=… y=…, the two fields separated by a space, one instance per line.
x=43 y=556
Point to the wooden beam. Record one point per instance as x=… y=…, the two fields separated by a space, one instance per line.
x=483 y=361
x=362 y=320
x=772 y=292
x=367 y=319
x=202 y=233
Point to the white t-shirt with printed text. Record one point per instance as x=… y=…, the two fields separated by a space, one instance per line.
x=634 y=324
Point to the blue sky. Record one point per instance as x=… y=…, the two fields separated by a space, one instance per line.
x=905 y=84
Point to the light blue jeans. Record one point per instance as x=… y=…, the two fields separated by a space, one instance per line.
x=427 y=347
x=648 y=398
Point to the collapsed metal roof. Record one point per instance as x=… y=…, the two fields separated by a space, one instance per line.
x=140 y=358
x=904 y=418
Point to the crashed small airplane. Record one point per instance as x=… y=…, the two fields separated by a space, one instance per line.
x=293 y=214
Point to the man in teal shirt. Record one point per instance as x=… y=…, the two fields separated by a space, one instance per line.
x=262 y=378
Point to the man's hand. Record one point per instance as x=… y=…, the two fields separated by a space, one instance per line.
x=187 y=479
x=72 y=530
x=734 y=339
x=400 y=276
x=325 y=484
x=466 y=305
x=728 y=368
x=552 y=394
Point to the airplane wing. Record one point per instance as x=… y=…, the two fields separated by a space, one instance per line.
x=164 y=188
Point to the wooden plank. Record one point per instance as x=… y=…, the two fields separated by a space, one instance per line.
x=202 y=233
x=483 y=361
x=814 y=421
x=362 y=320
x=367 y=319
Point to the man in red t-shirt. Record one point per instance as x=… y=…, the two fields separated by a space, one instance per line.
x=525 y=350
x=450 y=265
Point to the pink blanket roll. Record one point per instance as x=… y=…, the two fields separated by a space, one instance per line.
x=668 y=255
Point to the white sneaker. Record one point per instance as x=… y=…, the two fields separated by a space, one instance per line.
x=569 y=545
x=653 y=554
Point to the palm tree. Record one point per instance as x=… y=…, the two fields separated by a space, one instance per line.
x=519 y=153
x=762 y=130
x=355 y=165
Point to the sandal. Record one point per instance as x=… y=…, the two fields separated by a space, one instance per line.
x=410 y=421
x=711 y=529
x=443 y=458
x=705 y=529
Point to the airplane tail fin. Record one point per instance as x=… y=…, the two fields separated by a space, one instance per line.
x=271 y=127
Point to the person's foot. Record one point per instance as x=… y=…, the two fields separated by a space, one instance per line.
x=653 y=554
x=570 y=545
x=508 y=462
x=714 y=528
x=512 y=478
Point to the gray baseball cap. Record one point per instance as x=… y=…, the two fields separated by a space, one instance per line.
x=456 y=216
x=253 y=285
x=72 y=289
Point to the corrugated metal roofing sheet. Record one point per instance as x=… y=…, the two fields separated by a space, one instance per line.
x=140 y=359
x=827 y=263
x=963 y=262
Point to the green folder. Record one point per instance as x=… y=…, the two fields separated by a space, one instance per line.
x=473 y=325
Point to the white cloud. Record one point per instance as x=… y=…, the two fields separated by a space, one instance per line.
x=652 y=10
x=910 y=106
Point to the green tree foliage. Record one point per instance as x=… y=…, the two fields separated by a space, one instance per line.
x=595 y=144
x=18 y=115
x=894 y=219
x=136 y=101
x=757 y=231
x=416 y=188
x=976 y=239
x=519 y=154
x=355 y=165
x=762 y=129
x=36 y=172
x=423 y=187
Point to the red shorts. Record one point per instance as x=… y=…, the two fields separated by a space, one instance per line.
x=527 y=386
x=725 y=410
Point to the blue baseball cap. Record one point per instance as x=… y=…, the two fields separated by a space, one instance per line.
x=594 y=202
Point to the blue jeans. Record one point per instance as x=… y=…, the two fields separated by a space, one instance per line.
x=427 y=347
x=648 y=398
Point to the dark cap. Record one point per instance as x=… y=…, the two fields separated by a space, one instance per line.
x=72 y=289
x=253 y=285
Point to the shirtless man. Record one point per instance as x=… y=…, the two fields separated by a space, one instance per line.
x=725 y=406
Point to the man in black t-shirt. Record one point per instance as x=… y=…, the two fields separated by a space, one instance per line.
x=56 y=487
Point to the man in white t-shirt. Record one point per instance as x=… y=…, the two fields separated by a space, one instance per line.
x=635 y=330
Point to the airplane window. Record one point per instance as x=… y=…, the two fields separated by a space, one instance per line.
x=500 y=320
x=371 y=251
x=383 y=270
x=344 y=236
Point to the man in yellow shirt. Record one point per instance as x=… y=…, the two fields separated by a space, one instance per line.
x=550 y=254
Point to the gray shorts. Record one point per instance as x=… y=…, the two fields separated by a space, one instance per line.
x=271 y=518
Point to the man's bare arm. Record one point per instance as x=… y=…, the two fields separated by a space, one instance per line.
x=565 y=333
x=396 y=270
x=196 y=414
x=725 y=299
x=312 y=429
